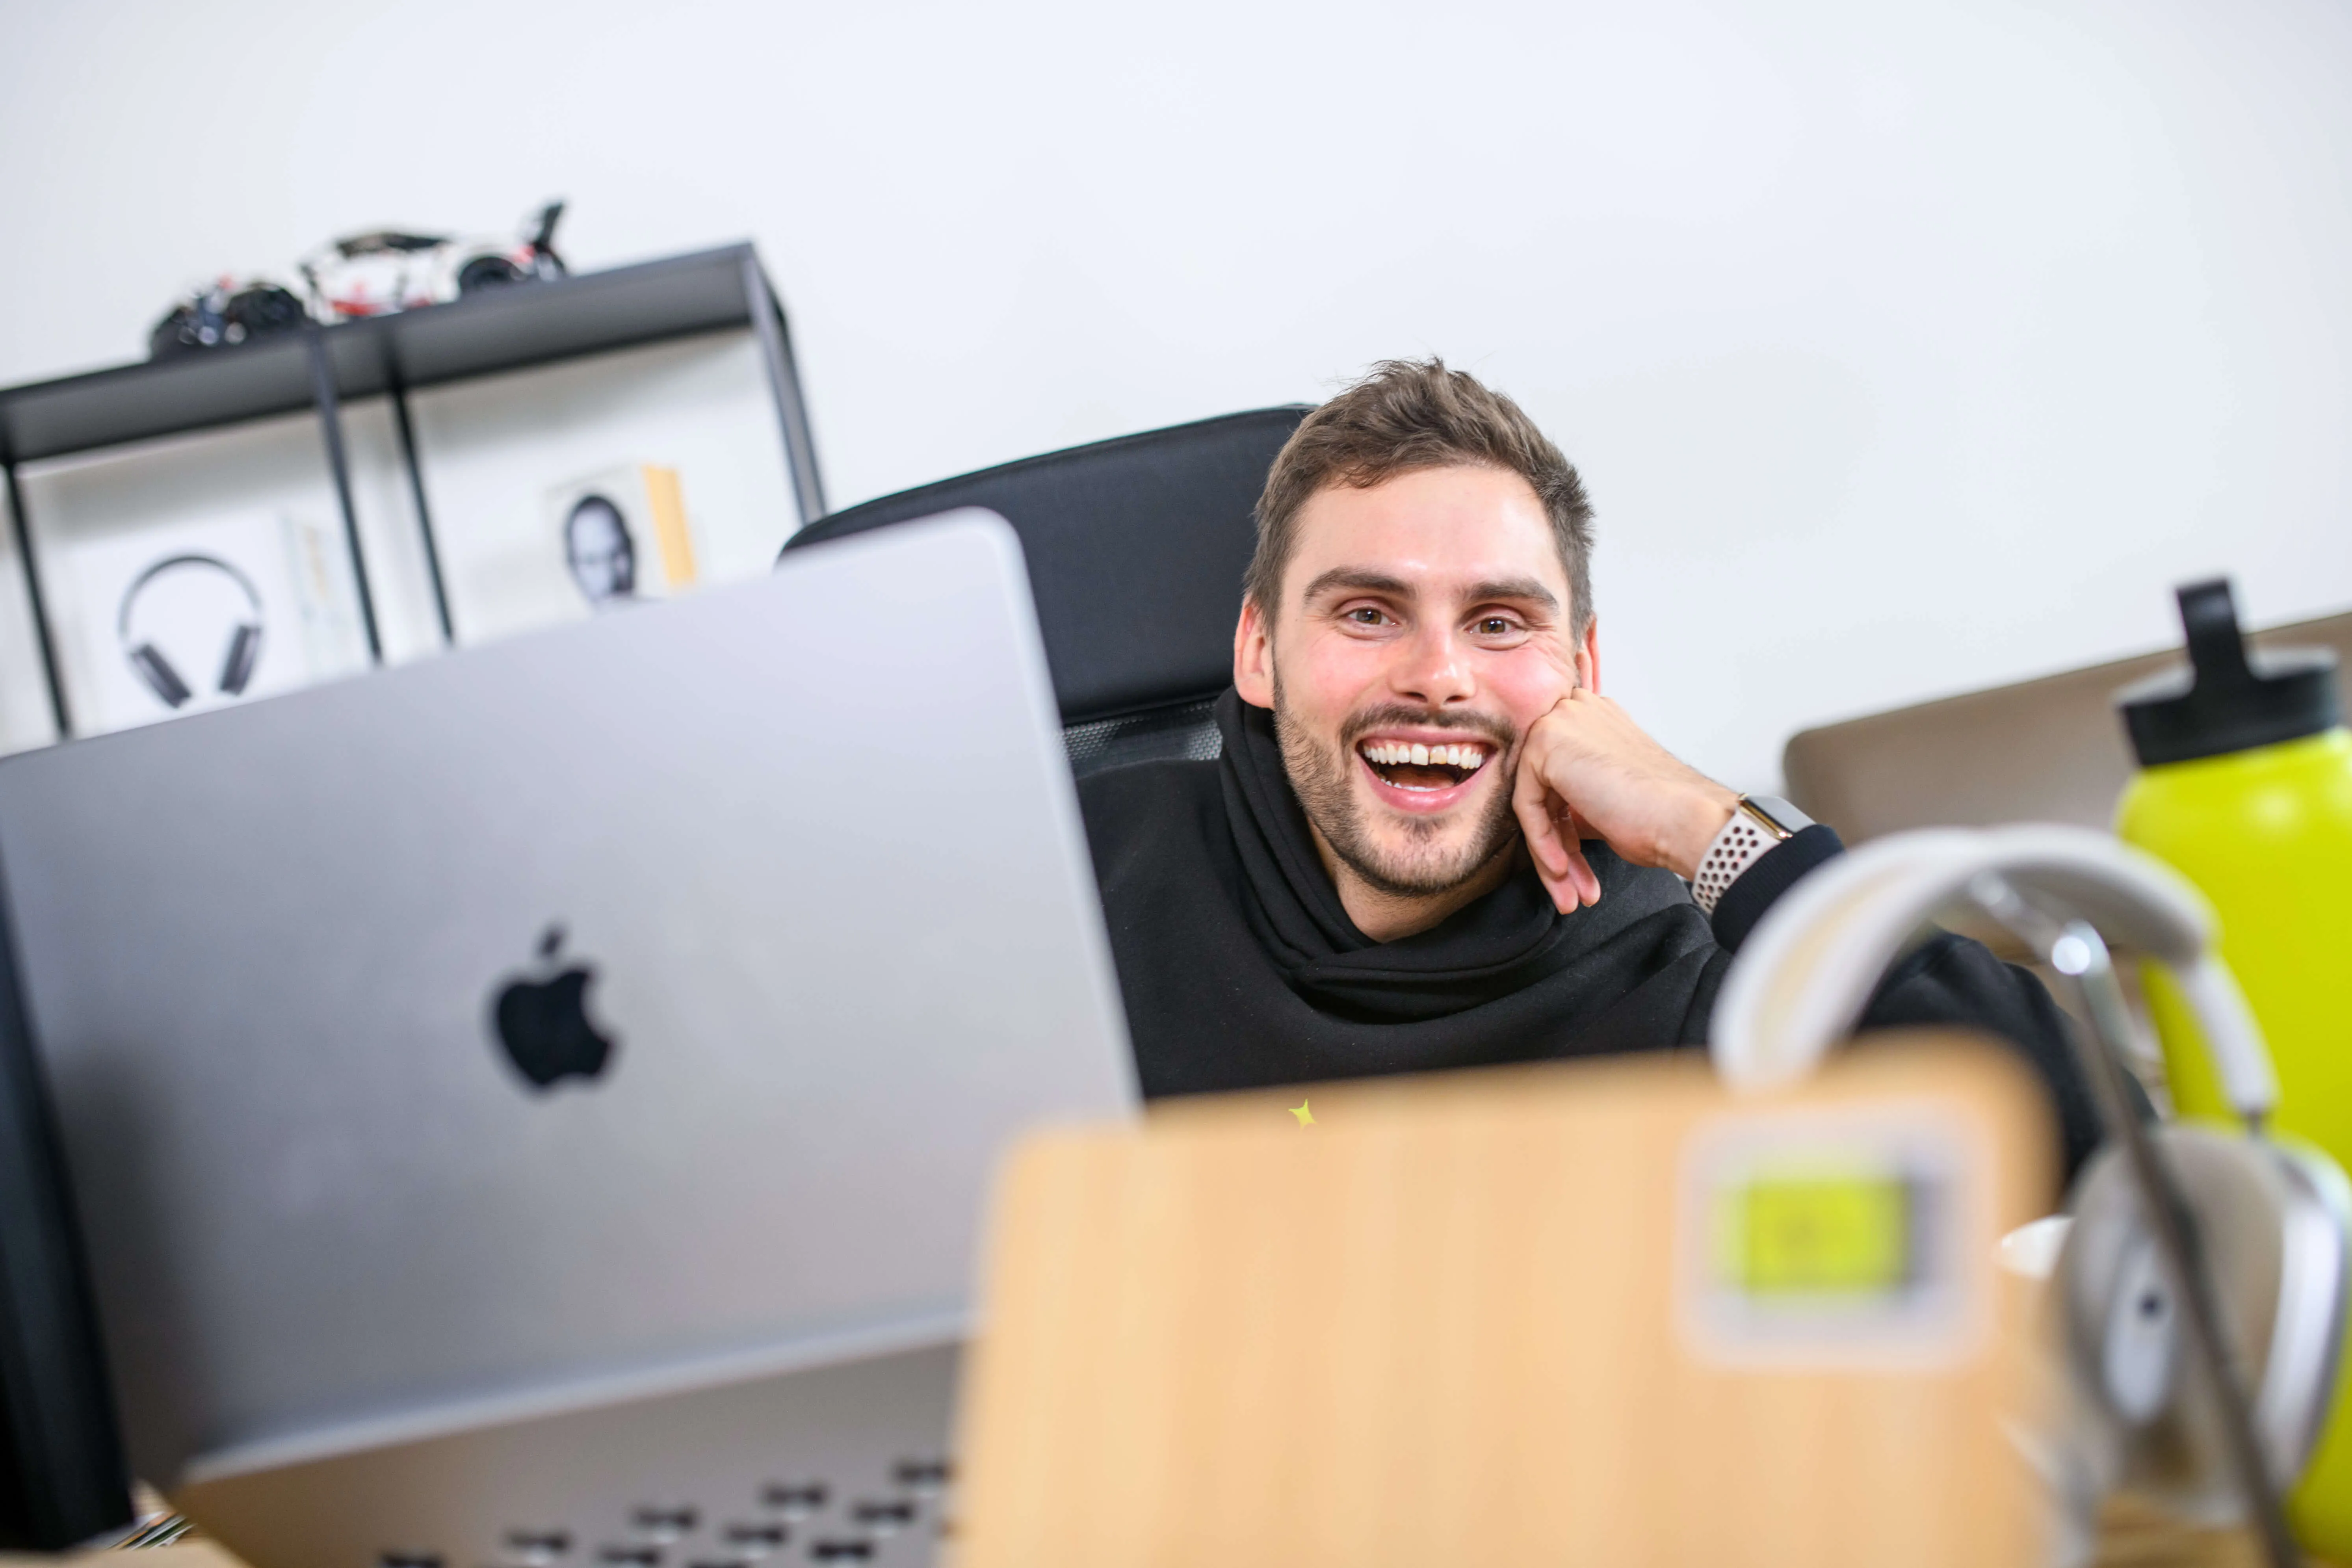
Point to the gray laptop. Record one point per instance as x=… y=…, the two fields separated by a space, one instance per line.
x=533 y=1106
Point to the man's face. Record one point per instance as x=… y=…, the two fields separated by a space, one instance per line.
x=596 y=542
x=1423 y=626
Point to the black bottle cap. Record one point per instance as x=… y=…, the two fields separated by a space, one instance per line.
x=2230 y=698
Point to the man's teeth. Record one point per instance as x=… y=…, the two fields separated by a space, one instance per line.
x=1399 y=754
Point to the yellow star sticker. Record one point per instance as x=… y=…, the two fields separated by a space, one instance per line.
x=1306 y=1117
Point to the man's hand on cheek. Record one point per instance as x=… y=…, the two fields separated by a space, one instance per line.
x=1586 y=769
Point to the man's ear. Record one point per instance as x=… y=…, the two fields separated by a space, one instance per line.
x=1588 y=658
x=1253 y=656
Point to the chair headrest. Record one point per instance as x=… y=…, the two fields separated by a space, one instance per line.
x=1136 y=550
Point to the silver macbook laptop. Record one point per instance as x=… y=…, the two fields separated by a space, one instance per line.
x=533 y=1106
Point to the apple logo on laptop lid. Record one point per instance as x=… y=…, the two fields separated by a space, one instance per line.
x=541 y=1020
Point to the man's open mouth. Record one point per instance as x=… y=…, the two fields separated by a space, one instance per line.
x=1411 y=765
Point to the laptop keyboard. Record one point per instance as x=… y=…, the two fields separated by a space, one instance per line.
x=804 y=1520
x=840 y=1462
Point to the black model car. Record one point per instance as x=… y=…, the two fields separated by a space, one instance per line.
x=230 y=311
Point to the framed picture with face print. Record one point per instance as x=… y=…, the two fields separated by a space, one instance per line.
x=621 y=535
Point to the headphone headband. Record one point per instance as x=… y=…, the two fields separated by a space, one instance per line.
x=148 y=661
x=131 y=594
x=1804 y=975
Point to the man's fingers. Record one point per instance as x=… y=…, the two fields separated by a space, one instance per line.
x=1553 y=832
x=1580 y=879
x=1531 y=803
x=1574 y=885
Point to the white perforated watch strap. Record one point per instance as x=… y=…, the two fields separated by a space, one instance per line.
x=1746 y=838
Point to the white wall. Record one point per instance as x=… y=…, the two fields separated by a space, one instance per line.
x=1905 y=348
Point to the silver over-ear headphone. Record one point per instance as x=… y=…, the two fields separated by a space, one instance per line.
x=238 y=657
x=2203 y=1282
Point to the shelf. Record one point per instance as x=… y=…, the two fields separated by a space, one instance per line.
x=508 y=329
x=318 y=369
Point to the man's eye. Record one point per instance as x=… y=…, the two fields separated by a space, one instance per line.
x=1365 y=615
x=1495 y=627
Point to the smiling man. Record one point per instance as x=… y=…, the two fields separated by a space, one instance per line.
x=1431 y=841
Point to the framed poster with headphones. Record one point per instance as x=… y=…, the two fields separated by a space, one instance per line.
x=205 y=611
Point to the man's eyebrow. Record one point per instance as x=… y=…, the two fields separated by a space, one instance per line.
x=1357 y=579
x=1523 y=588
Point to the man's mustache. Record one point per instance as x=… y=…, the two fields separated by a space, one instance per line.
x=1402 y=715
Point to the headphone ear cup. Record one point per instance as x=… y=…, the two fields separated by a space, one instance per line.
x=243 y=650
x=2275 y=1252
x=2307 y=1362
x=161 y=678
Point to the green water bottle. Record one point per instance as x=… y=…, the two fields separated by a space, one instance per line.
x=2245 y=787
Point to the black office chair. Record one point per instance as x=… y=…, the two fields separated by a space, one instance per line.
x=1136 y=551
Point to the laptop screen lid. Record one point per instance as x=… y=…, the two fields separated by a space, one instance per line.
x=638 y=1002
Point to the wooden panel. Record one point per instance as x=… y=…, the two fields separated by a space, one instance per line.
x=1453 y=1322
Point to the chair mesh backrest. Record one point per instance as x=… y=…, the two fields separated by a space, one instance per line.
x=1136 y=549
x=1182 y=731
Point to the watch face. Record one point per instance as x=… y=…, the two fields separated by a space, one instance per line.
x=1777 y=814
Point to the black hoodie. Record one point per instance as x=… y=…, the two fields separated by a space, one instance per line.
x=1242 y=970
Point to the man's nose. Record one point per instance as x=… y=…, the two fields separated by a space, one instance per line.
x=1430 y=668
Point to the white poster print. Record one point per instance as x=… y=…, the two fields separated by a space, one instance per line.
x=195 y=614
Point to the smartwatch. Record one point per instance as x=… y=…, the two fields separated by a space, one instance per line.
x=1760 y=825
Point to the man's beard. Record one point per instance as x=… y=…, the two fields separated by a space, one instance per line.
x=1425 y=866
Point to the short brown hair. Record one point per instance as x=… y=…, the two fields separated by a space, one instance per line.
x=1408 y=415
